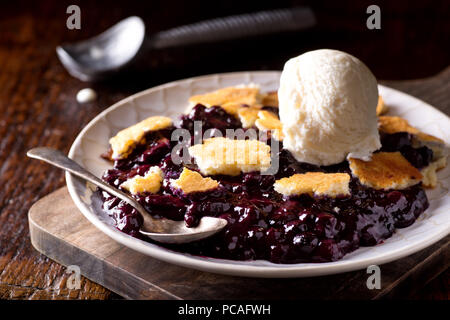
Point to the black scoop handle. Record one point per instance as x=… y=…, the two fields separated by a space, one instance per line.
x=235 y=27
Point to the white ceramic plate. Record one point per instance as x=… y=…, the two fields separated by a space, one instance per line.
x=171 y=99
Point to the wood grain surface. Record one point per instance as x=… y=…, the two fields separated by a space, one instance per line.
x=61 y=232
x=38 y=106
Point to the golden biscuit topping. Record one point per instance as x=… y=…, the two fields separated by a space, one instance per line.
x=240 y=101
x=386 y=170
x=270 y=99
x=231 y=157
x=123 y=143
x=391 y=125
x=192 y=181
x=381 y=106
x=248 y=116
x=314 y=183
x=150 y=182
x=232 y=95
x=232 y=108
x=269 y=121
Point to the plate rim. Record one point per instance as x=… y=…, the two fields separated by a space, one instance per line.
x=222 y=266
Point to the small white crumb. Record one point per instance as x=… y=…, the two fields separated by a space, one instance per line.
x=86 y=95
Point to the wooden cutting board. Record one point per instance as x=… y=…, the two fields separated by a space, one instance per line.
x=61 y=232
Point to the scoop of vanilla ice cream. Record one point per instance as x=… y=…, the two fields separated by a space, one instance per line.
x=327 y=105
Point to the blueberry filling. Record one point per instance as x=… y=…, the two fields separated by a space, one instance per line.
x=261 y=223
x=402 y=141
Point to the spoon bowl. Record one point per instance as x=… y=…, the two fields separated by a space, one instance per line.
x=106 y=53
x=161 y=230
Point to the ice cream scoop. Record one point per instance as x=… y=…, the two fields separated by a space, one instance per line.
x=327 y=105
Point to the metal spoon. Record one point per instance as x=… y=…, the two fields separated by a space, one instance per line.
x=161 y=230
x=109 y=52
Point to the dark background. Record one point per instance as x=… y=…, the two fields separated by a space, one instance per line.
x=414 y=40
x=38 y=106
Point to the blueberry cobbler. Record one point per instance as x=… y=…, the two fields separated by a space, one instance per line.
x=303 y=212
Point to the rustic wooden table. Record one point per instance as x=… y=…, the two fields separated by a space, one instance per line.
x=38 y=108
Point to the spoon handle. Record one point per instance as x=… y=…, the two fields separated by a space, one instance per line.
x=233 y=27
x=60 y=160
